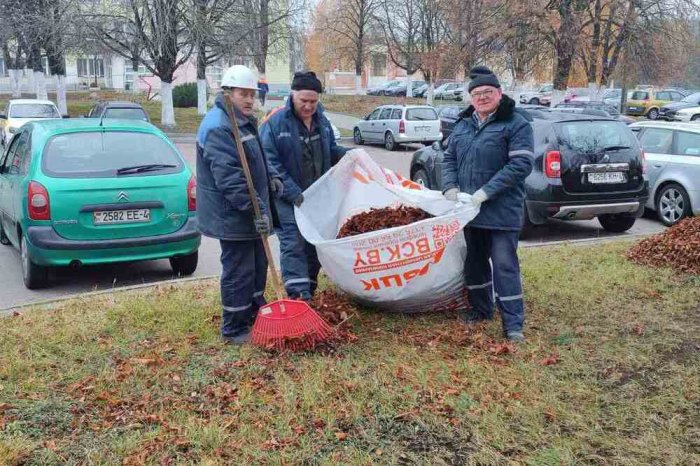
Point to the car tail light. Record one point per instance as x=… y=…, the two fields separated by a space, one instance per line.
x=192 y=194
x=552 y=164
x=644 y=163
x=38 y=202
x=402 y=126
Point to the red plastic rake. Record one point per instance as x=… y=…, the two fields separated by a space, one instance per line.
x=283 y=324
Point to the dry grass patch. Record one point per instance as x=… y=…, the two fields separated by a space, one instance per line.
x=609 y=375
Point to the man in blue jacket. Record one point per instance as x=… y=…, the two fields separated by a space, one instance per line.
x=224 y=207
x=300 y=146
x=489 y=155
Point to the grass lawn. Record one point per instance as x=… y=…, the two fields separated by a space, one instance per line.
x=610 y=375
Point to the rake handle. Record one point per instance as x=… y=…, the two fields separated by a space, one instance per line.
x=279 y=291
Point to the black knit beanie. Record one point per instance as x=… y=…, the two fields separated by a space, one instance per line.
x=482 y=76
x=306 y=81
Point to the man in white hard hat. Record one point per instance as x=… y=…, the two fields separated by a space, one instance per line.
x=224 y=207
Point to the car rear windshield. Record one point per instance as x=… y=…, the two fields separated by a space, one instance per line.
x=594 y=136
x=640 y=95
x=101 y=154
x=126 y=113
x=33 y=111
x=421 y=114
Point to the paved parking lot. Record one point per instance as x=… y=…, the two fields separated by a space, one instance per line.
x=73 y=281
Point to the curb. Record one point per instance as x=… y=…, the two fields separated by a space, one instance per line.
x=7 y=311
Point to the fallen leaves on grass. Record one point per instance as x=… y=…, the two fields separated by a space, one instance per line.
x=678 y=248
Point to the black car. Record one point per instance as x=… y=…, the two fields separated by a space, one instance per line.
x=668 y=111
x=585 y=166
x=594 y=108
x=112 y=109
x=448 y=114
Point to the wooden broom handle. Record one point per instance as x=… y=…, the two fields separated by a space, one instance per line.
x=279 y=291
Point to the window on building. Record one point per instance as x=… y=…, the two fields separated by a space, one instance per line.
x=91 y=67
x=379 y=65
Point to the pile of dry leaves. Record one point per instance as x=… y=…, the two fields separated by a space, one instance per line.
x=336 y=309
x=678 y=247
x=380 y=219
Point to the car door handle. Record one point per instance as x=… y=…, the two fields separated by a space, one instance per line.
x=657 y=165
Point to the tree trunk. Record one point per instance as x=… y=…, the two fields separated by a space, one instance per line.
x=167 y=112
x=431 y=92
x=564 y=46
x=61 y=100
x=15 y=82
x=40 y=85
x=409 y=86
x=201 y=96
x=201 y=80
x=358 y=84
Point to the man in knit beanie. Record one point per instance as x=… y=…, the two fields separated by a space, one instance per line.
x=298 y=141
x=489 y=155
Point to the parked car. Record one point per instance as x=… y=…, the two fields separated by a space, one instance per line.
x=449 y=114
x=647 y=102
x=444 y=89
x=77 y=192
x=586 y=106
x=538 y=97
x=400 y=89
x=393 y=125
x=673 y=160
x=668 y=111
x=688 y=114
x=114 y=109
x=21 y=111
x=336 y=132
x=379 y=90
x=585 y=167
x=421 y=91
x=454 y=93
x=578 y=94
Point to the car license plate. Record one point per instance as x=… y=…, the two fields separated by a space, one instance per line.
x=111 y=217
x=607 y=177
x=423 y=129
x=634 y=109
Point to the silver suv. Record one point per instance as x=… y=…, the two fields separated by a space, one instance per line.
x=393 y=125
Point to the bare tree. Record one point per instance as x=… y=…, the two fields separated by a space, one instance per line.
x=11 y=41
x=351 y=21
x=401 y=23
x=523 y=46
x=159 y=26
x=434 y=47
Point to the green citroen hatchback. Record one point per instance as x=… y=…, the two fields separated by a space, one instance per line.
x=90 y=191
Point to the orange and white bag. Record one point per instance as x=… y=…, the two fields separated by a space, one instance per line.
x=413 y=268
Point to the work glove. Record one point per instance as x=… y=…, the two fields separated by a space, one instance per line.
x=262 y=225
x=277 y=187
x=479 y=197
x=451 y=194
x=299 y=200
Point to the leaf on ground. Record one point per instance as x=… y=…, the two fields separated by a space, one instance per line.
x=550 y=360
x=341 y=435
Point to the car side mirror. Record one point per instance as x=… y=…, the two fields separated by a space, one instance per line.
x=437 y=146
x=65 y=116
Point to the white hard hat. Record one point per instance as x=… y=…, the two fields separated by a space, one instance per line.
x=241 y=77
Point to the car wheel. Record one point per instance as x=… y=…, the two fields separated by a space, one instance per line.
x=534 y=101
x=185 y=265
x=3 y=237
x=695 y=118
x=617 y=223
x=389 y=142
x=653 y=114
x=421 y=177
x=357 y=137
x=672 y=204
x=34 y=276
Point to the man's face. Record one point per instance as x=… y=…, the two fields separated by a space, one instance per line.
x=305 y=103
x=243 y=100
x=485 y=99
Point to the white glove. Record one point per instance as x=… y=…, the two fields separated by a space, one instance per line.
x=451 y=194
x=479 y=197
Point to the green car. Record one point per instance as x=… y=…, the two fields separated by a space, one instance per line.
x=91 y=191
